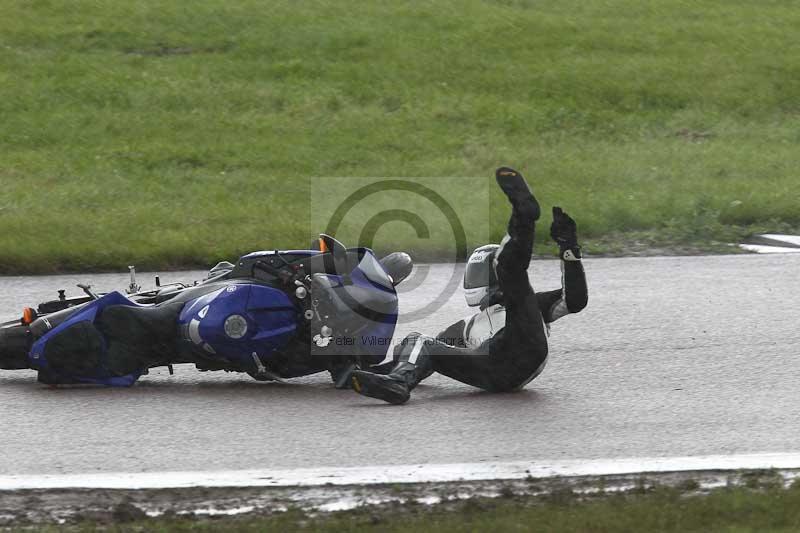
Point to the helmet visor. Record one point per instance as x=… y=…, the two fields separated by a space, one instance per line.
x=477 y=275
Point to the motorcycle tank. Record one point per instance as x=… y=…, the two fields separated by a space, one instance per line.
x=238 y=320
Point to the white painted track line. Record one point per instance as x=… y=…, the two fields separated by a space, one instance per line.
x=793 y=240
x=763 y=249
x=420 y=473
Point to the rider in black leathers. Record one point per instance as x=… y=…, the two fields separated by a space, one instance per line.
x=503 y=347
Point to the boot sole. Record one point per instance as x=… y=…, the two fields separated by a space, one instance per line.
x=517 y=190
x=379 y=387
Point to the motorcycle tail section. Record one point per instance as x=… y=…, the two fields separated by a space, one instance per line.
x=77 y=351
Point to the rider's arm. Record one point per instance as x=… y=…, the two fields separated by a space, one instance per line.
x=574 y=294
x=570 y=298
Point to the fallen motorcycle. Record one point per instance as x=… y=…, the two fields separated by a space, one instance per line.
x=273 y=314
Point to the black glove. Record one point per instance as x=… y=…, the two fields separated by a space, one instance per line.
x=564 y=231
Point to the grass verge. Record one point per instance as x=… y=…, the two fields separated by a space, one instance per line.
x=175 y=135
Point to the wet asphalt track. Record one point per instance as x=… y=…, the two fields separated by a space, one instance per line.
x=673 y=357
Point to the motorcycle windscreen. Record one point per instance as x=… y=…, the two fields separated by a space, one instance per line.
x=372 y=270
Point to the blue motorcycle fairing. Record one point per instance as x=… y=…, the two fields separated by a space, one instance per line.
x=369 y=299
x=270 y=316
x=376 y=335
x=88 y=313
x=272 y=319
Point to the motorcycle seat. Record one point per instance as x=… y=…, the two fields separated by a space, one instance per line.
x=126 y=320
x=138 y=336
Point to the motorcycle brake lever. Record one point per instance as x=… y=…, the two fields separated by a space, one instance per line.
x=279 y=256
x=88 y=290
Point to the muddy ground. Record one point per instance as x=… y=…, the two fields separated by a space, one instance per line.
x=64 y=506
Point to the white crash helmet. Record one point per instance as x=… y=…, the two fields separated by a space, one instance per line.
x=480 y=275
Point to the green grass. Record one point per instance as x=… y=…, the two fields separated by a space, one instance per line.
x=663 y=510
x=177 y=133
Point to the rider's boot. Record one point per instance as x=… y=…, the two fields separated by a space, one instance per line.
x=413 y=365
x=341 y=371
x=519 y=194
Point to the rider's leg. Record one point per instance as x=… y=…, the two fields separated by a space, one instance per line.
x=524 y=337
x=511 y=357
x=520 y=348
